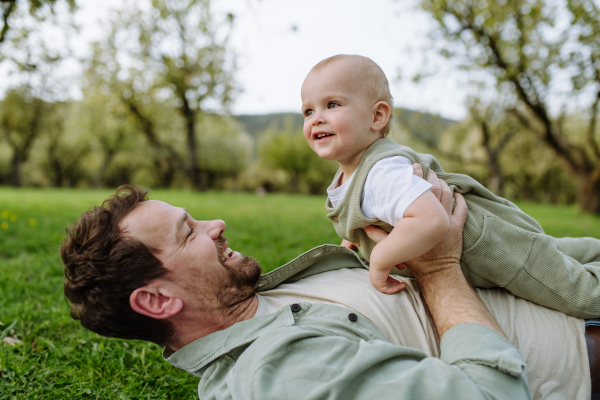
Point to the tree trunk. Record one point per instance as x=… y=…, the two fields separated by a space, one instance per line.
x=195 y=173
x=294 y=182
x=589 y=192
x=497 y=179
x=108 y=156
x=58 y=178
x=15 y=169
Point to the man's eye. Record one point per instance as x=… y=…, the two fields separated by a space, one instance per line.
x=189 y=233
x=332 y=104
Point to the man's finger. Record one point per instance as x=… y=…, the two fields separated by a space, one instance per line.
x=417 y=170
x=433 y=179
x=376 y=234
x=460 y=211
x=445 y=197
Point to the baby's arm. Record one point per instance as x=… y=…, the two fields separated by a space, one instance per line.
x=424 y=224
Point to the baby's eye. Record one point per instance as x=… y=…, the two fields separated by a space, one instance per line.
x=332 y=104
x=308 y=113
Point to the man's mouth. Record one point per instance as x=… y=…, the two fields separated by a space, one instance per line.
x=226 y=255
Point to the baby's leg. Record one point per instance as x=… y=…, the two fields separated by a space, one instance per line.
x=584 y=250
x=532 y=266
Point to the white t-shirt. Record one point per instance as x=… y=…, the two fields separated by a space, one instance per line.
x=389 y=189
x=552 y=344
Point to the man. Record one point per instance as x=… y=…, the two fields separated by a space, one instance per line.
x=140 y=269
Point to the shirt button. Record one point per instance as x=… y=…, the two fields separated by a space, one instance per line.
x=357 y=243
x=334 y=219
x=296 y=307
x=352 y=317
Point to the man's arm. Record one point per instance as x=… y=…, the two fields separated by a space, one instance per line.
x=447 y=293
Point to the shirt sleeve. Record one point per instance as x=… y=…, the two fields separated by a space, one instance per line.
x=476 y=363
x=390 y=188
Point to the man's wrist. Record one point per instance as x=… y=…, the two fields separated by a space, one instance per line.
x=433 y=270
x=451 y=300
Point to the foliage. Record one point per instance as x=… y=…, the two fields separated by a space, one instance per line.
x=60 y=360
x=529 y=50
x=292 y=154
x=224 y=150
x=524 y=168
x=31 y=51
x=170 y=54
x=20 y=124
x=37 y=9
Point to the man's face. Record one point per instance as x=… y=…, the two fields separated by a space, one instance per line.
x=200 y=263
x=337 y=114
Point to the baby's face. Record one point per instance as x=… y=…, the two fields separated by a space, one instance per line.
x=337 y=114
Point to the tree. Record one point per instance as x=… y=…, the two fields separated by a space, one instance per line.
x=178 y=58
x=108 y=129
x=224 y=151
x=530 y=49
x=37 y=9
x=291 y=153
x=20 y=125
x=32 y=58
x=497 y=129
x=65 y=149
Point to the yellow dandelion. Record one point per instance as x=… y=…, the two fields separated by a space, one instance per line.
x=32 y=221
x=5 y=214
x=4 y=225
x=13 y=218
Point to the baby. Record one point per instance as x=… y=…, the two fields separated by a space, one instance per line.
x=347 y=106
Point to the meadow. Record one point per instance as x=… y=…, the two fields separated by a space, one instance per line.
x=60 y=360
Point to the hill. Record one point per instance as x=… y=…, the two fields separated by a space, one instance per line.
x=426 y=126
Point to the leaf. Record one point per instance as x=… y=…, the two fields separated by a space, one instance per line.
x=7 y=329
x=11 y=341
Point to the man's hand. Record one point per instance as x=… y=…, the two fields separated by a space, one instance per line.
x=446 y=254
x=448 y=295
x=350 y=245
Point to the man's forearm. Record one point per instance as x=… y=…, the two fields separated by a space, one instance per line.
x=452 y=301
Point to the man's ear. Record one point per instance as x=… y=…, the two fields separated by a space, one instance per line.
x=381 y=115
x=154 y=302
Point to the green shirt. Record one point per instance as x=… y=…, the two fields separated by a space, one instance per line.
x=317 y=351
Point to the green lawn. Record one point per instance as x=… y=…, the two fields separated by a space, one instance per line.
x=60 y=360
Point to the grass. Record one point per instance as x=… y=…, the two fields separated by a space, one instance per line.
x=60 y=360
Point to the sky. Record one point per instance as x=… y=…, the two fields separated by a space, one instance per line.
x=274 y=59
x=278 y=41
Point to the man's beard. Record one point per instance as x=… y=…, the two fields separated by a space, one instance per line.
x=243 y=277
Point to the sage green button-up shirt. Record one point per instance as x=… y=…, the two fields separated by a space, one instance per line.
x=317 y=352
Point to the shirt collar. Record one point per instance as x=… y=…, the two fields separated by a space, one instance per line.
x=205 y=350
x=196 y=355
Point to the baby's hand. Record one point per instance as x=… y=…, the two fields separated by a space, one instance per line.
x=381 y=279
x=380 y=275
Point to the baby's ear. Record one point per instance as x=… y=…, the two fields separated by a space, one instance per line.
x=381 y=115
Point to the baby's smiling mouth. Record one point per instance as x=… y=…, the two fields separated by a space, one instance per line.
x=320 y=135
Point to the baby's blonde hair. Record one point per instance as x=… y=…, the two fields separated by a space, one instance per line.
x=368 y=77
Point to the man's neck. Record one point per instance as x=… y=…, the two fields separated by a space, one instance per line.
x=189 y=328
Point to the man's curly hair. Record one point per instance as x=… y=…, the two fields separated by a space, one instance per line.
x=103 y=267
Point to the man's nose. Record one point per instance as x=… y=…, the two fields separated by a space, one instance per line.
x=215 y=228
